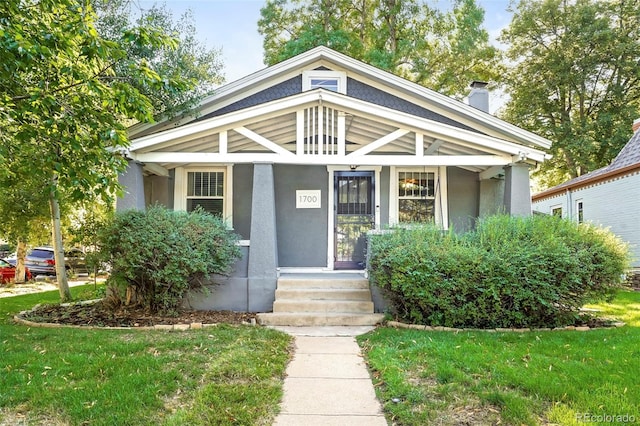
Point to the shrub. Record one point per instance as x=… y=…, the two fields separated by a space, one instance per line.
x=508 y=272
x=157 y=255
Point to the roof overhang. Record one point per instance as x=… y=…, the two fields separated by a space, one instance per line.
x=572 y=186
x=323 y=56
x=236 y=120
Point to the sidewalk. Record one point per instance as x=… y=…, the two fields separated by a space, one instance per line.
x=327 y=380
x=42 y=283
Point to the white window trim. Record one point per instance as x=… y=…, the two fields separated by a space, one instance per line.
x=180 y=188
x=341 y=76
x=577 y=210
x=557 y=206
x=441 y=210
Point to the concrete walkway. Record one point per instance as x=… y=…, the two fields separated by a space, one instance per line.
x=327 y=380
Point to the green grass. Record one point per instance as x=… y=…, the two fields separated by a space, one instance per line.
x=481 y=378
x=215 y=376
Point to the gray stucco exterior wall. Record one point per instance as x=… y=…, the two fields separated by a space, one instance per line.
x=156 y=190
x=224 y=292
x=132 y=181
x=464 y=198
x=301 y=233
x=242 y=189
x=383 y=202
x=491 y=197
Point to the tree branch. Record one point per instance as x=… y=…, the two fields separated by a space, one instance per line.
x=71 y=85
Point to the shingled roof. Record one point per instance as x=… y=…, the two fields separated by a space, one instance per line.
x=627 y=160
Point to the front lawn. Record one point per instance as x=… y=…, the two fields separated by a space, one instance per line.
x=214 y=376
x=482 y=378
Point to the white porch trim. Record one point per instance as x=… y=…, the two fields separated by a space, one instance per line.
x=290 y=158
x=250 y=134
x=379 y=143
x=341 y=102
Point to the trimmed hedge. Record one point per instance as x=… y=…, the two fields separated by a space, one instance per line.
x=157 y=255
x=508 y=272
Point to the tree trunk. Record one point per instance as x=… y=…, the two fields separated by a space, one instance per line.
x=20 y=255
x=61 y=273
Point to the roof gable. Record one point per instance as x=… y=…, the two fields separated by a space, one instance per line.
x=628 y=159
x=275 y=78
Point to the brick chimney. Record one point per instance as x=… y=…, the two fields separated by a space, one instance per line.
x=636 y=125
x=479 y=96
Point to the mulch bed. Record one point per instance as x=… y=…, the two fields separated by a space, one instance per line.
x=98 y=315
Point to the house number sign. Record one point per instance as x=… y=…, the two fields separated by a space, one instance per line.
x=308 y=199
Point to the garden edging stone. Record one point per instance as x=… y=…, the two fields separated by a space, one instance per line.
x=397 y=324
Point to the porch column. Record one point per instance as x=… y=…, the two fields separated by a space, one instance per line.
x=517 y=191
x=263 y=249
x=133 y=183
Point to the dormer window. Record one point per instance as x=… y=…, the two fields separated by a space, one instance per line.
x=335 y=81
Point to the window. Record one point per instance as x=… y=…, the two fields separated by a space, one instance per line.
x=336 y=81
x=579 y=211
x=206 y=190
x=325 y=83
x=416 y=196
x=556 y=211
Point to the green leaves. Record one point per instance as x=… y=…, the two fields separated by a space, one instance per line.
x=164 y=60
x=575 y=79
x=67 y=93
x=161 y=254
x=444 y=51
x=508 y=272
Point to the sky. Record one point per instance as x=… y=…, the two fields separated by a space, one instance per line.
x=232 y=27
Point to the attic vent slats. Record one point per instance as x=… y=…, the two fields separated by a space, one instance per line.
x=320 y=131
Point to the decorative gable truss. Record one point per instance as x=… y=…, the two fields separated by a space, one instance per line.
x=325 y=127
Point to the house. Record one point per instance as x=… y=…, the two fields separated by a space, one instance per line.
x=608 y=197
x=305 y=157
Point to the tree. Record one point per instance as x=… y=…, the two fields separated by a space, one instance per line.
x=63 y=107
x=575 y=79
x=190 y=60
x=443 y=51
x=23 y=206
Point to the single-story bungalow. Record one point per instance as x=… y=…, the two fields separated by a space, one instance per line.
x=607 y=197
x=305 y=157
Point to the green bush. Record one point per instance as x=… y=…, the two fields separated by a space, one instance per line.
x=157 y=255
x=508 y=272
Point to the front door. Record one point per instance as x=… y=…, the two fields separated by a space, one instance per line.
x=354 y=216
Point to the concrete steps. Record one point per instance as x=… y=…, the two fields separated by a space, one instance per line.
x=325 y=300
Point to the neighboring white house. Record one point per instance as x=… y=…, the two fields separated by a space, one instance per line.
x=609 y=197
x=305 y=157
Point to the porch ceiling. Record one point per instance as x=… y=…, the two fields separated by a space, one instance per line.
x=281 y=130
x=320 y=127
